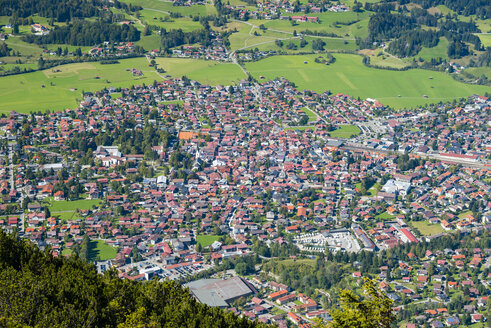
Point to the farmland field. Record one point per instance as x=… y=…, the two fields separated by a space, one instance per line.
x=167 y=6
x=203 y=71
x=348 y=75
x=157 y=18
x=51 y=88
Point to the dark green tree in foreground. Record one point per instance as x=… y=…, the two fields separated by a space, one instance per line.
x=374 y=310
x=40 y=290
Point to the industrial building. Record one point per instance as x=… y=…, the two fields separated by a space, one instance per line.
x=220 y=292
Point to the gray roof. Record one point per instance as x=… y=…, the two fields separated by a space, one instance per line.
x=217 y=292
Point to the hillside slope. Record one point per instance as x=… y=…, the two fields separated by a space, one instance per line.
x=39 y=290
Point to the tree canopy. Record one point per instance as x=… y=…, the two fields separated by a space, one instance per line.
x=374 y=310
x=40 y=290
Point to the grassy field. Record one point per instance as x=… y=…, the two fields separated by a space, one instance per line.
x=388 y=61
x=440 y=50
x=300 y=128
x=65 y=216
x=385 y=216
x=311 y=115
x=464 y=214
x=26 y=49
x=485 y=39
x=158 y=18
x=206 y=240
x=167 y=6
x=62 y=206
x=426 y=228
x=345 y=24
x=373 y=190
x=150 y=42
x=50 y=89
x=348 y=75
x=345 y=131
x=308 y=262
x=202 y=71
x=479 y=71
x=100 y=250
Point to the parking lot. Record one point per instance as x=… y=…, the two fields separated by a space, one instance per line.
x=336 y=240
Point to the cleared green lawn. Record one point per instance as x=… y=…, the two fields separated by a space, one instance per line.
x=373 y=190
x=344 y=24
x=100 y=250
x=385 y=216
x=388 y=61
x=203 y=71
x=330 y=45
x=464 y=214
x=50 y=89
x=479 y=71
x=440 y=50
x=311 y=115
x=26 y=49
x=62 y=206
x=167 y=6
x=426 y=228
x=300 y=128
x=150 y=42
x=348 y=75
x=345 y=131
x=157 y=18
x=485 y=39
x=64 y=216
x=206 y=240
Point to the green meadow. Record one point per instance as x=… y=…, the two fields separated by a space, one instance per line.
x=61 y=87
x=479 y=71
x=206 y=240
x=202 y=71
x=167 y=6
x=440 y=50
x=65 y=205
x=345 y=131
x=485 y=39
x=348 y=75
x=99 y=250
x=426 y=228
x=162 y=20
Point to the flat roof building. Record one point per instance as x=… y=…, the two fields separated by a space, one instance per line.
x=219 y=292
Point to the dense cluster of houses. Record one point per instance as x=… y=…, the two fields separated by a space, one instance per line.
x=251 y=174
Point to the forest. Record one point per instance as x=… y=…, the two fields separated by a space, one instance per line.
x=409 y=36
x=175 y=38
x=481 y=8
x=4 y=49
x=39 y=290
x=60 y=10
x=85 y=33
